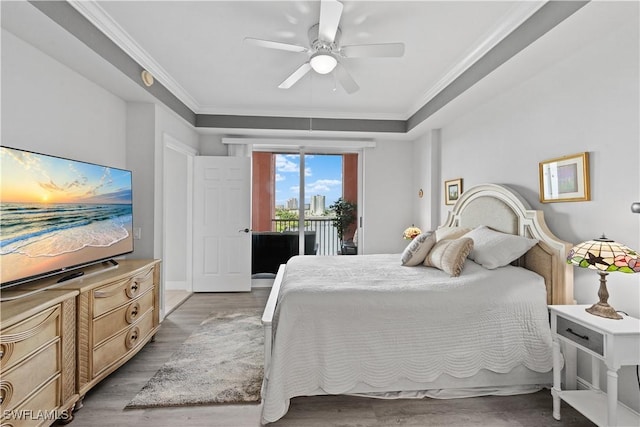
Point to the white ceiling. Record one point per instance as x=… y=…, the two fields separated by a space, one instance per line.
x=196 y=49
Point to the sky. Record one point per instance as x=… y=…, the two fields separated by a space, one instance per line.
x=35 y=178
x=323 y=176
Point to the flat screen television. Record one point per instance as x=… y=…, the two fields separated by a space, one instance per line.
x=59 y=214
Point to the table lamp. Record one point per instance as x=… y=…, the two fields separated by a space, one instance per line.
x=411 y=232
x=606 y=256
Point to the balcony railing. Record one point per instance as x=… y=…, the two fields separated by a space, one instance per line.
x=326 y=234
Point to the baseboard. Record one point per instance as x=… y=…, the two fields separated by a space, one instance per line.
x=582 y=384
x=261 y=283
x=182 y=286
x=175 y=285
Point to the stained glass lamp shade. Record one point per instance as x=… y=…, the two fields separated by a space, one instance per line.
x=606 y=256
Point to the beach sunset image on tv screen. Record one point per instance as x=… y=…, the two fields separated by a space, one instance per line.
x=57 y=213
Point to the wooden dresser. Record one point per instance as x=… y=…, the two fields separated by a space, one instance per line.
x=57 y=344
x=38 y=358
x=118 y=313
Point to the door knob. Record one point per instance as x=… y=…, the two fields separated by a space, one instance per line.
x=244 y=230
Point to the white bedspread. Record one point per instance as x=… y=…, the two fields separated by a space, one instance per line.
x=345 y=320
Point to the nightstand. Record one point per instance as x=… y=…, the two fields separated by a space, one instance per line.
x=616 y=342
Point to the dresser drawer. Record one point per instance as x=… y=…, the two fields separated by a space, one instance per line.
x=118 y=293
x=581 y=335
x=32 y=413
x=111 y=323
x=124 y=342
x=23 y=338
x=18 y=382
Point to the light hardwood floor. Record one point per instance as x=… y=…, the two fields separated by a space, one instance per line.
x=173 y=298
x=103 y=405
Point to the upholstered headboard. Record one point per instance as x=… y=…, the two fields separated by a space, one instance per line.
x=503 y=209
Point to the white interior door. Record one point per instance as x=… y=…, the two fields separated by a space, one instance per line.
x=221 y=221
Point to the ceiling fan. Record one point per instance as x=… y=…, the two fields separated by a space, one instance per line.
x=325 y=52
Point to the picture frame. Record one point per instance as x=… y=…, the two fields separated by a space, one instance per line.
x=565 y=179
x=452 y=191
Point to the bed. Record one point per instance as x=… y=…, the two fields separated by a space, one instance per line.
x=369 y=325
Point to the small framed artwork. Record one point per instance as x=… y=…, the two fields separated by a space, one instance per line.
x=565 y=179
x=452 y=191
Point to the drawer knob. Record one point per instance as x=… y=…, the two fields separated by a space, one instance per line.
x=132 y=289
x=132 y=312
x=584 y=337
x=6 y=392
x=6 y=349
x=132 y=337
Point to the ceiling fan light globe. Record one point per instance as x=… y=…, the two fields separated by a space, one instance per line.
x=323 y=63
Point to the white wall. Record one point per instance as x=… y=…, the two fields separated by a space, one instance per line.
x=211 y=145
x=140 y=154
x=62 y=113
x=146 y=125
x=175 y=253
x=389 y=195
x=587 y=100
x=426 y=155
x=48 y=108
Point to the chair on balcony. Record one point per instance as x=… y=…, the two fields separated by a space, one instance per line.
x=269 y=249
x=350 y=247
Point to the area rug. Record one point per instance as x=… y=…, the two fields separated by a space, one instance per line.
x=221 y=362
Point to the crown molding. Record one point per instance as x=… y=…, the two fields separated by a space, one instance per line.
x=95 y=14
x=517 y=14
x=279 y=143
x=239 y=111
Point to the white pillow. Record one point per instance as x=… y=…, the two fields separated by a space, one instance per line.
x=493 y=249
x=451 y=233
x=418 y=248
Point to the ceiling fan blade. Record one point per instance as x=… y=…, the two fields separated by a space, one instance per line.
x=275 y=45
x=382 y=50
x=345 y=79
x=295 y=76
x=330 y=13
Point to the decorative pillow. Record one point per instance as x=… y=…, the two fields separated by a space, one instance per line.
x=419 y=247
x=451 y=233
x=449 y=255
x=493 y=249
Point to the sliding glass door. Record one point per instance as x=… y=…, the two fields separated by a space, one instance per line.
x=304 y=203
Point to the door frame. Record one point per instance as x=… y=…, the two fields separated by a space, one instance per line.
x=189 y=153
x=305 y=147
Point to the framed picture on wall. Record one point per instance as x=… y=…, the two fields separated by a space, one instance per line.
x=565 y=179
x=452 y=191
